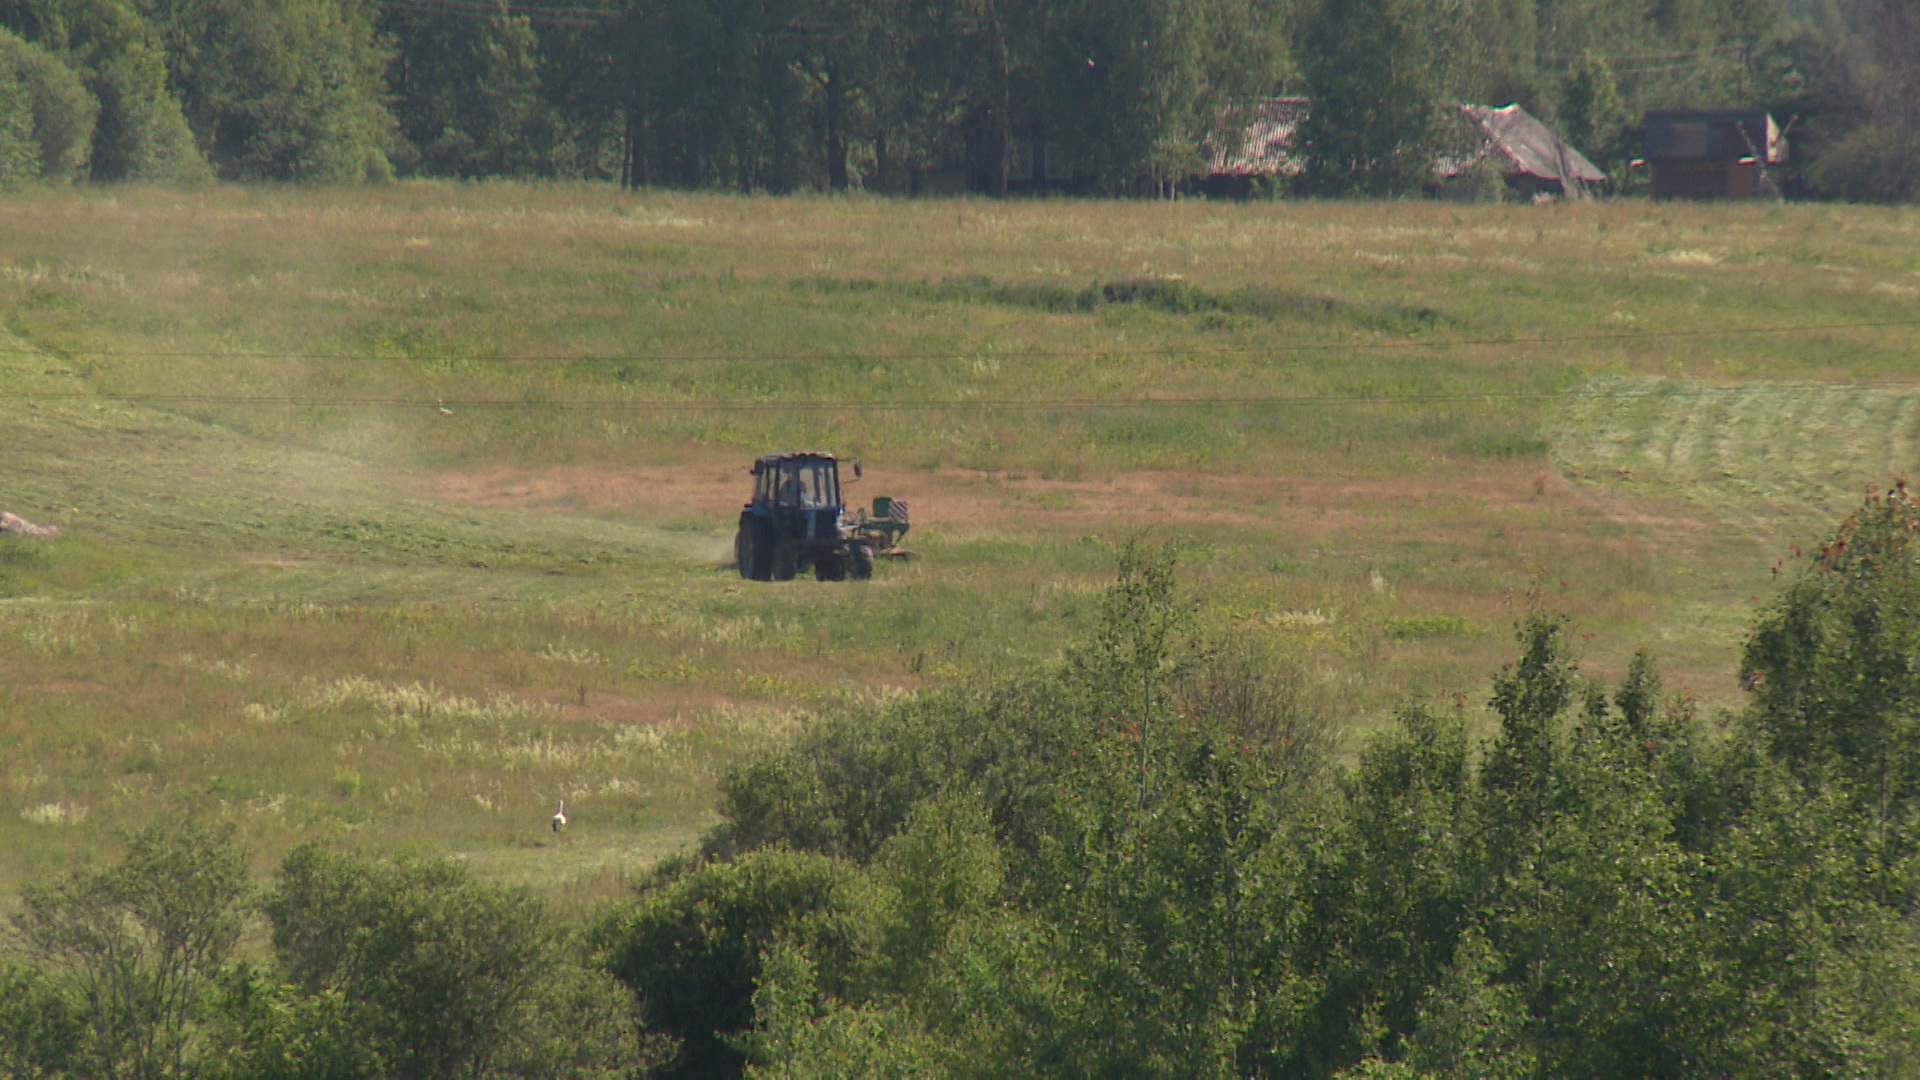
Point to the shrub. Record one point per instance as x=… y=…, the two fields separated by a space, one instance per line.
x=46 y=114
x=40 y=1028
x=437 y=975
x=267 y=1030
x=693 y=947
x=1834 y=662
x=1876 y=163
x=140 y=943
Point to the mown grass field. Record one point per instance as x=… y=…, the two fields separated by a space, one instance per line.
x=394 y=515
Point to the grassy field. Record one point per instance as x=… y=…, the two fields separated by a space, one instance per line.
x=394 y=515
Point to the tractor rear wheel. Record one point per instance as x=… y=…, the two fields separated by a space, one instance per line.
x=860 y=562
x=786 y=561
x=753 y=551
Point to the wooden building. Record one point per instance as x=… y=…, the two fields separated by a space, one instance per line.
x=1713 y=153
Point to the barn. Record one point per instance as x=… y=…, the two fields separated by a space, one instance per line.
x=1713 y=153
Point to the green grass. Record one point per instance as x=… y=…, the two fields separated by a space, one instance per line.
x=466 y=558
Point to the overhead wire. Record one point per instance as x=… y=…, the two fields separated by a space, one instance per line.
x=661 y=405
x=1270 y=349
x=1568 y=58
x=1656 y=68
x=478 y=9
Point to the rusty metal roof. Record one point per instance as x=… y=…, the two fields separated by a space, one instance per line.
x=1528 y=146
x=1525 y=145
x=1266 y=143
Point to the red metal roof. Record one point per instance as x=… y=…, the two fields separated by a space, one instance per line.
x=1266 y=143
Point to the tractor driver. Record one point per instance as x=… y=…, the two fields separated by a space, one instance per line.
x=795 y=491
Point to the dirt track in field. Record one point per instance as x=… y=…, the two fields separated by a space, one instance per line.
x=958 y=497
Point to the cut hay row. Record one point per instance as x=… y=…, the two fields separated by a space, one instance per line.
x=1770 y=456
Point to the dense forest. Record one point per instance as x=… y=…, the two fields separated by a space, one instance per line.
x=781 y=95
x=1147 y=859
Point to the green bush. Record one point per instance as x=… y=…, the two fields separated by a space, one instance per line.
x=268 y=1030
x=1876 y=163
x=1058 y=864
x=40 y=1025
x=802 y=1035
x=1834 y=662
x=1058 y=887
x=136 y=946
x=434 y=975
x=693 y=947
x=46 y=115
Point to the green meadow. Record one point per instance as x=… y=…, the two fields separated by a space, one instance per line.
x=395 y=515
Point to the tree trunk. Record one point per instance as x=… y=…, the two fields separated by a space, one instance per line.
x=642 y=160
x=626 y=151
x=836 y=130
x=631 y=171
x=1003 y=120
x=780 y=178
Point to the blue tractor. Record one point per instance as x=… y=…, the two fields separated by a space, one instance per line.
x=797 y=520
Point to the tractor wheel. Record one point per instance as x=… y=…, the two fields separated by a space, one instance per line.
x=830 y=568
x=753 y=550
x=786 y=562
x=860 y=562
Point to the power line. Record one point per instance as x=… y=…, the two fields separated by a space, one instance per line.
x=510 y=9
x=1016 y=354
x=475 y=9
x=1657 y=67
x=1568 y=58
x=968 y=404
x=549 y=20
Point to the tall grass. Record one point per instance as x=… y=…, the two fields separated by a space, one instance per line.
x=537 y=296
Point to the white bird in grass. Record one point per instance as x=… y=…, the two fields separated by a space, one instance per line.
x=560 y=817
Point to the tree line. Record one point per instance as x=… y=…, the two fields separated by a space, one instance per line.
x=890 y=95
x=1145 y=860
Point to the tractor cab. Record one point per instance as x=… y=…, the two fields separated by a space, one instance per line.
x=794 y=521
x=797 y=481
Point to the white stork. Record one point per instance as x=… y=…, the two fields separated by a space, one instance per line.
x=560 y=817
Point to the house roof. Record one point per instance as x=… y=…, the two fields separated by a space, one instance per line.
x=1528 y=146
x=1525 y=145
x=1266 y=143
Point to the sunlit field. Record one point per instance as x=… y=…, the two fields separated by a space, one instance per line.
x=396 y=515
